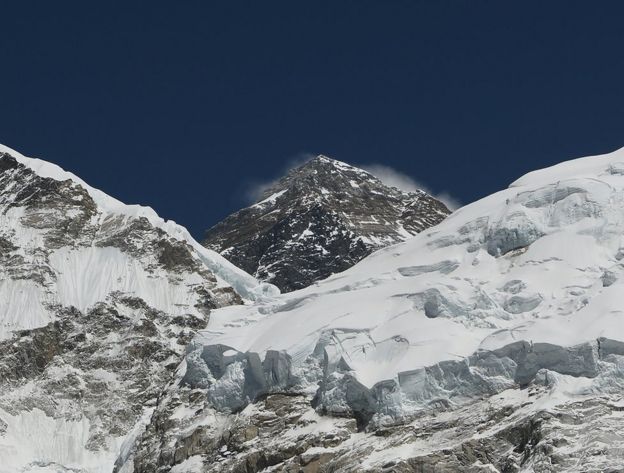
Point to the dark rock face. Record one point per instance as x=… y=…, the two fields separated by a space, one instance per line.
x=320 y=219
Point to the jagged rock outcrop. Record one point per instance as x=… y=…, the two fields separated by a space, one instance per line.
x=320 y=219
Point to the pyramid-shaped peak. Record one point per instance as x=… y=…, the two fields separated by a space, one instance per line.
x=320 y=218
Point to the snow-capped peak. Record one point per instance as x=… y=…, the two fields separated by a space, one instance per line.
x=98 y=300
x=319 y=219
x=246 y=285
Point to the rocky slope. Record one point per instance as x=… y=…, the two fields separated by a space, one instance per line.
x=97 y=303
x=320 y=219
x=492 y=342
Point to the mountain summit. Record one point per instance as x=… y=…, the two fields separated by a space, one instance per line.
x=319 y=219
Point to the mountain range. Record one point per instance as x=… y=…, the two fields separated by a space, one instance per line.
x=406 y=338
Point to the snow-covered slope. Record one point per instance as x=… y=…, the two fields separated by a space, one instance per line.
x=97 y=301
x=520 y=289
x=321 y=218
x=24 y=218
x=538 y=261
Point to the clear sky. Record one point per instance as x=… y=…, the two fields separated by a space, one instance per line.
x=185 y=106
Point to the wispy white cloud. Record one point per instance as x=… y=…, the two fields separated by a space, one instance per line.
x=255 y=188
x=393 y=178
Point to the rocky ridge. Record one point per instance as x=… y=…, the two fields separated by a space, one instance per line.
x=320 y=219
x=98 y=301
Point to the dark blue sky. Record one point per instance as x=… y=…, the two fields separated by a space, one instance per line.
x=183 y=105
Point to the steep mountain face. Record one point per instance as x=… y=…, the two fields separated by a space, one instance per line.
x=492 y=342
x=97 y=303
x=320 y=219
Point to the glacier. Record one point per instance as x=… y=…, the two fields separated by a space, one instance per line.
x=512 y=303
